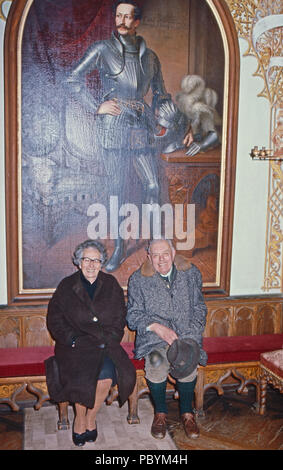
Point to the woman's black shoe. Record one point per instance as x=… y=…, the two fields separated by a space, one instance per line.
x=91 y=436
x=79 y=439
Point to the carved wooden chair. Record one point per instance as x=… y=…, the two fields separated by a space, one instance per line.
x=271 y=371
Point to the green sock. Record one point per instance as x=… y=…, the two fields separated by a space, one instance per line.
x=158 y=394
x=186 y=395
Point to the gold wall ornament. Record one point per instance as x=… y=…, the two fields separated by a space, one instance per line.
x=273 y=256
x=260 y=22
x=273 y=278
x=2 y=13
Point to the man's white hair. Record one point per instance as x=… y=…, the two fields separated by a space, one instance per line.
x=155 y=240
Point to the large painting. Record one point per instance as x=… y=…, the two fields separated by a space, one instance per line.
x=123 y=127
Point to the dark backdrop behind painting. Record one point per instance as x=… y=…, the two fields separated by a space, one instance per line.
x=62 y=174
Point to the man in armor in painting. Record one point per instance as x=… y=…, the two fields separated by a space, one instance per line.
x=125 y=124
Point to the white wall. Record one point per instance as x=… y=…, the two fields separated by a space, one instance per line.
x=250 y=215
x=251 y=184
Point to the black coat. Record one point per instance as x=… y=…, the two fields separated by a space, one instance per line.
x=101 y=321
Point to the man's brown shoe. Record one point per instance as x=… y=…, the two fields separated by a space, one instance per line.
x=158 y=427
x=190 y=425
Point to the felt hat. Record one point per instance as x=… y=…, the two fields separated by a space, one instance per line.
x=183 y=356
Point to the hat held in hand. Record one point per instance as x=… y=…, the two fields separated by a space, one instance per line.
x=183 y=356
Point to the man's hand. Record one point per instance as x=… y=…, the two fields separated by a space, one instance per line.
x=109 y=107
x=164 y=332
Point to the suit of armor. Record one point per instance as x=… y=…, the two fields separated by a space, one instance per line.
x=127 y=70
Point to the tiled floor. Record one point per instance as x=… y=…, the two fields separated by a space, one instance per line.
x=114 y=432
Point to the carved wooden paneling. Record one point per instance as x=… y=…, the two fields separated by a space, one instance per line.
x=244 y=323
x=26 y=326
x=247 y=316
x=218 y=322
x=266 y=319
x=9 y=332
x=35 y=331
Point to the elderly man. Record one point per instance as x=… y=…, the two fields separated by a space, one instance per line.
x=165 y=302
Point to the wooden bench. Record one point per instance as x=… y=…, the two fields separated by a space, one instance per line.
x=235 y=357
x=229 y=357
x=22 y=369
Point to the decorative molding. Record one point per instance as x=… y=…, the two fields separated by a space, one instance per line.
x=260 y=22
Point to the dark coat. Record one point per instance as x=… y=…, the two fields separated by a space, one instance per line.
x=94 y=323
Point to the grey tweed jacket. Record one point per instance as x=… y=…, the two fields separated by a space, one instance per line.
x=180 y=307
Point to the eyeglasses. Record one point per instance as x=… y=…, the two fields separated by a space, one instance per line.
x=90 y=260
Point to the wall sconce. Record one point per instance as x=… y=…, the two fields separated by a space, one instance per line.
x=264 y=154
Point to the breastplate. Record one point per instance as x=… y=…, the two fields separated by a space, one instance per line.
x=131 y=82
x=127 y=78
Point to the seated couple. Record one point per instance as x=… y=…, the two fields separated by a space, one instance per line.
x=87 y=316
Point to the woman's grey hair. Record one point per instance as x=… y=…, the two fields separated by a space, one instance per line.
x=78 y=253
x=151 y=242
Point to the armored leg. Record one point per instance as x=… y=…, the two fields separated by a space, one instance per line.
x=116 y=167
x=146 y=171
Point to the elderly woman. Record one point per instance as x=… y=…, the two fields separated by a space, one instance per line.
x=86 y=318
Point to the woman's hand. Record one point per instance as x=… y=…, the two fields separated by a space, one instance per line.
x=109 y=107
x=164 y=332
